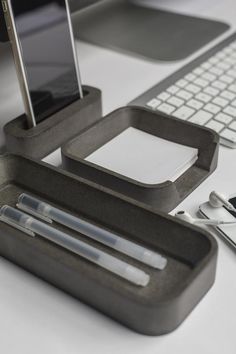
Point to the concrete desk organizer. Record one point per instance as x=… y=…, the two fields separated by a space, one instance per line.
x=51 y=133
x=164 y=196
x=158 y=308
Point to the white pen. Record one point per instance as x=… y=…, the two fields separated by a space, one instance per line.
x=22 y=221
x=38 y=208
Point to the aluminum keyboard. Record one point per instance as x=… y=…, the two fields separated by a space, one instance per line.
x=203 y=92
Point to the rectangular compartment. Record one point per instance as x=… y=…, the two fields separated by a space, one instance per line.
x=153 y=310
x=163 y=196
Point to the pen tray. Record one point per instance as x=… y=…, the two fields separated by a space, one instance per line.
x=156 y=309
x=163 y=196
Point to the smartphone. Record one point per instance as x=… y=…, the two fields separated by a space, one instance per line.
x=228 y=232
x=3 y=28
x=43 y=47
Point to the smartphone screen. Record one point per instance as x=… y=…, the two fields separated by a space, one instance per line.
x=233 y=202
x=228 y=232
x=45 y=38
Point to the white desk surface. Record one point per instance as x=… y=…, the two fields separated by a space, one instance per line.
x=36 y=317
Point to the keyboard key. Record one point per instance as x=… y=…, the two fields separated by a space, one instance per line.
x=208 y=76
x=219 y=85
x=233 y=103
x=233 y=45
x=184 y=94
x=233 y=57
x=213 y=60
x=231 y=111
x=154 y=103
x=198 y=71
x=173 y=89
x=195 y=104
x=228 y=95
x=211 y=91
x=193 y=88
x=166 y=108
x=216 y=71
x=190 y=77
x=182 y=83
x=203 y=97
x=227 y=79
x=215 y=126
x=232 y=72
x=206 y=66
x=201 y=117
x=223 y=118
x=228 y=50
x=200 y=82
x=229 y=135
x=230 y=60
x=220 y=55
x=232 y=88
x=177 y=102
x=233 y=50
x=222 y=65
x=163 y=96
x=212 y=108
x=222 y=102
x=233 y=126
x=184 y=113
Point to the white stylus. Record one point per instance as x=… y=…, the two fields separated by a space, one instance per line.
x=38 y=208
x=20 y=220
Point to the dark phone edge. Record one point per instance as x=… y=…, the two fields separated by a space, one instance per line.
x=223 y=235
